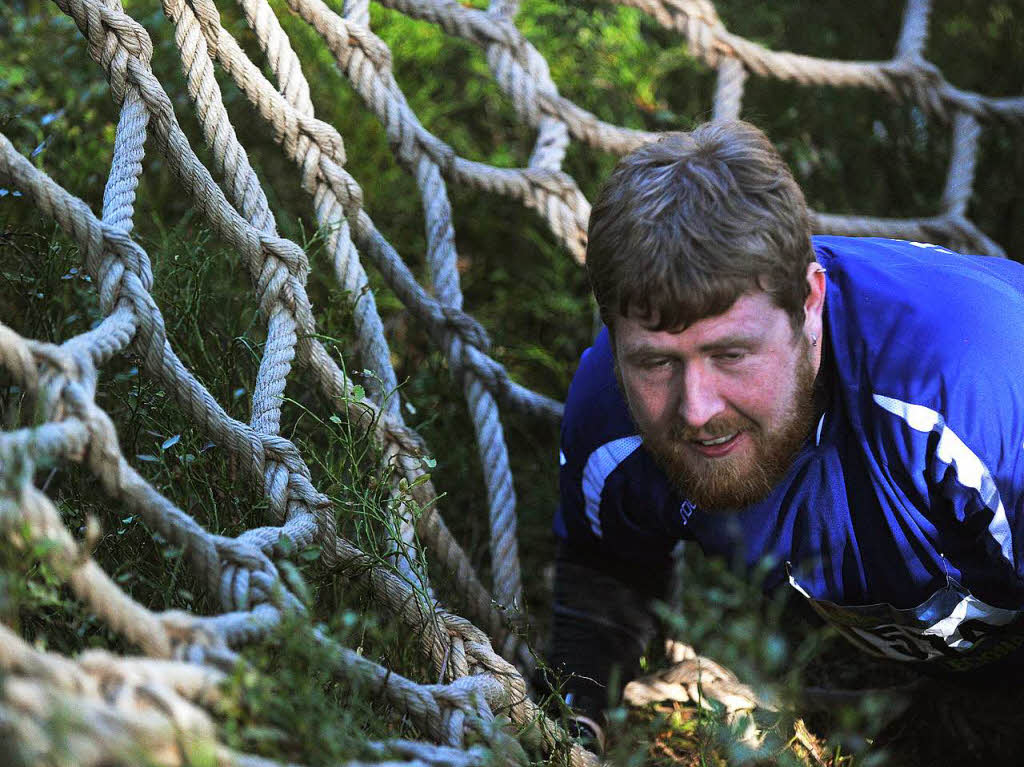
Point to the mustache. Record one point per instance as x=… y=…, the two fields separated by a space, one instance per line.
x=717 y=427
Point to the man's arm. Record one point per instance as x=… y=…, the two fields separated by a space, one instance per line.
x=602 y=622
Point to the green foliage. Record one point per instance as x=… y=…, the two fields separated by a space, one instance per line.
x=284 y=701
x=776 y=646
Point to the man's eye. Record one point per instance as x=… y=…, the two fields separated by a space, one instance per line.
x=656 y=363
x=729 y=357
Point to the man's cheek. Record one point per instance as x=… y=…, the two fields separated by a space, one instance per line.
x=646 y=402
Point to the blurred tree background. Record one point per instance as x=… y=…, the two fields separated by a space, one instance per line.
x=853 y=151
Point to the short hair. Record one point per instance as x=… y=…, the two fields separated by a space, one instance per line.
x=687 y=224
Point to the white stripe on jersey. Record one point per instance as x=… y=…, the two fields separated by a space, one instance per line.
x=600 y=464
x=968 y=468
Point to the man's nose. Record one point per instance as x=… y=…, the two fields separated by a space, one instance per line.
x=700 y=401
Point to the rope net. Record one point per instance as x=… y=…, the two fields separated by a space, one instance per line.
x=159 y=703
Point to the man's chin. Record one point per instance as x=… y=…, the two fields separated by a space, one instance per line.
x=725 y=498
x=726 y=483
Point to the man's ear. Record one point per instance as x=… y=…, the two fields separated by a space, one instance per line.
x=814 y=304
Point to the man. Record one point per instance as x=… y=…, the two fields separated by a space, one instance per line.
x=849 y=410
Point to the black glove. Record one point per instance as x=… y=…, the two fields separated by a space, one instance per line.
x=601 y=625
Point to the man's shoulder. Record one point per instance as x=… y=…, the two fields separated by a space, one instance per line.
x=595 y=410
x=897 y=310
x=921 y=342
x=926 y=278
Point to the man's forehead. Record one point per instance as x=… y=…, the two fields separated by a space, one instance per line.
x=751 y=313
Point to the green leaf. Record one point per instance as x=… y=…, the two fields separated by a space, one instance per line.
x=285 y=546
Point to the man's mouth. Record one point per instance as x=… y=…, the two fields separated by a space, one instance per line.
x=718 y=446
x=717 y=440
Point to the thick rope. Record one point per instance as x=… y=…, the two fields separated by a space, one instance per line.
x=914 y=31
x=122 y=704
x=266 y=584
x=24 y=509
x=962 y=160
x=365 y=60
x=194 y=23
x=318 y=151
x=118 y=477
x=442 y=259
x=523 y=74
x=483 y=408
x=127 y=617
x=729 y=89
x=906 y=76
x=261 y=250
x=285 y=65
x=336 y=196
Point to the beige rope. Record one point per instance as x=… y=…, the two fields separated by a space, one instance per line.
x=729 y=89
x=277 y=110
x=442 y=709
x=914 y=31
x=523 y=74
x=360 y=55
x=907 y=75
x=400 y=595
x=111 y=708
x=195 y=23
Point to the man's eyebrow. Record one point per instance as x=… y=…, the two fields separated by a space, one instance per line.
x=731 y=342
x=644 y=350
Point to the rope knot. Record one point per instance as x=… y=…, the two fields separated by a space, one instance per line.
x=130 y=34
x=282 y=275
x=324 y=136
x=918 y=80
x=699 y=23
x=288 y=253
x=375 y=49
x=466 y=327
x=134 y=258
x=114 y=39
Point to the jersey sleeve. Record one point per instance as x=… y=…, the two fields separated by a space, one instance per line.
x=970 y=487
x=946 y=386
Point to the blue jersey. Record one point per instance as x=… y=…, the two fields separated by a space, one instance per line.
x=901 y=517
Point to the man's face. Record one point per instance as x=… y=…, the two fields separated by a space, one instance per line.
x=724 y=405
